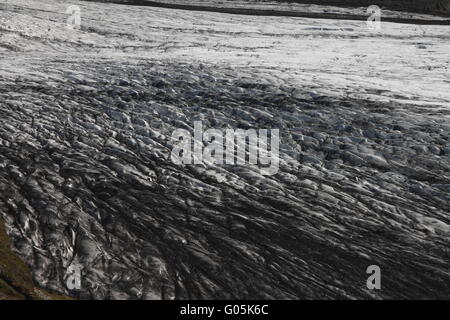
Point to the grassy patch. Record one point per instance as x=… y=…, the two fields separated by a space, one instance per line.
x=16 y=281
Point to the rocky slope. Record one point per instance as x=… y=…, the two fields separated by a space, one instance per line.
x=85 y=175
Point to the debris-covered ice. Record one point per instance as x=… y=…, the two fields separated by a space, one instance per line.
x=85 y=140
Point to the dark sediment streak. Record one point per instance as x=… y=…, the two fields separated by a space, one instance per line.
x=276 y=13
x=440 y=7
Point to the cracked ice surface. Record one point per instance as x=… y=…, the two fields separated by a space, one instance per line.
x=86 y=119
